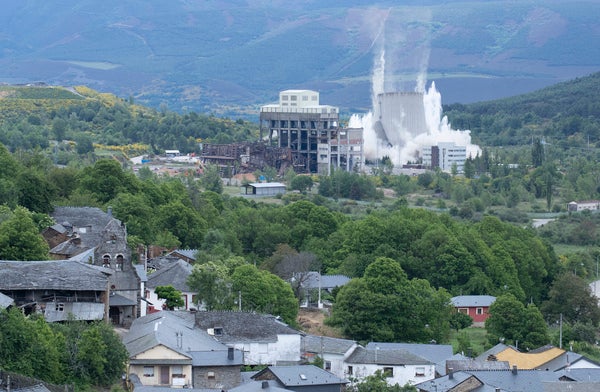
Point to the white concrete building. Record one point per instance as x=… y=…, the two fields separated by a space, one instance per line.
x=445 y=155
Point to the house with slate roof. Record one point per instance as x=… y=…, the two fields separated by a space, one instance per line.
x=333 y=351
x=436 y=353
x=264 y=339
x=58 y=289
x=167 y=350
x=189 y=255
x=260 y=386
x=399 y=366
x=475 y=306
x=515 y=380
x=315 y=281
x=90 y=228
x=5 y=301
x=176 y=275
x=302 y=378
x=548 y=358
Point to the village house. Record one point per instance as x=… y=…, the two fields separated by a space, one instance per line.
x=96 y=237
x=435 y=353
x=515 y=380
x=58 y=289
x=333 y=351
x=174 y=274
x=264 y=339
x=399 y=366
x=301 y=378
x=167 y=350
x=548 y=358
x=583 y=205
x=188 y=255
x=475 y=306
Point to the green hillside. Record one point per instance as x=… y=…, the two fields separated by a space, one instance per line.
x=566 y=115
x=32 y=116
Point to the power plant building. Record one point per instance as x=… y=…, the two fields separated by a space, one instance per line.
x=445 y=155
x=312 y=132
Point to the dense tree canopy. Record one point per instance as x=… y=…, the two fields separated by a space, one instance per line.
x=386 y=306
x=74 y=352
x=514 y=323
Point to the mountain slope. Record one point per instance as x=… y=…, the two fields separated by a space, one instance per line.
x=230 y=56
x=566 y=113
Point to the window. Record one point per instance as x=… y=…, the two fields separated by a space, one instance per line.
x=119 y=263
x=420 y=371
x=106 y=261
x=327 y=365
x=210 y=375
x=218 y=331
x=59 y=307
x=349 y=370
x=479 y=311
x=293 y=98
x=148 y=371
x=388 y=371
x=263 y=348
x=305 y=97
x=284 y=97
x=177 y=371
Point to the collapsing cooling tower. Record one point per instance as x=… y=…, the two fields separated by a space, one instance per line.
x=401 y=115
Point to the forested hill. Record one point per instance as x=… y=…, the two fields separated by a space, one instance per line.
x=30 y=116
x=566 y=114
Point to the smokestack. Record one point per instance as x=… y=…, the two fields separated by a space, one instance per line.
x=514 y=370
x=450 y=374
x=230 y=353
x=265 y=385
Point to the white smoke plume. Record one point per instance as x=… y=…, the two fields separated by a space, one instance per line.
x=400 y=144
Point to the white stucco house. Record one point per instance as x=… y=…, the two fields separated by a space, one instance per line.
x=264 y=339
x=333 y=351
x=174 y=274
x=399 y=366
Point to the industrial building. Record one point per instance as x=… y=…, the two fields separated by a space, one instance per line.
x=445 y=155
x=312 y=132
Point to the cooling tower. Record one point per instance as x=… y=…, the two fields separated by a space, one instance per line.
x=402 y=116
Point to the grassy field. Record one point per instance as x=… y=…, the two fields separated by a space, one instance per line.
x=477 y=337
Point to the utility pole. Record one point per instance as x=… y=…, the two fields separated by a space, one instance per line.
x=560 y=332
x=240 y=300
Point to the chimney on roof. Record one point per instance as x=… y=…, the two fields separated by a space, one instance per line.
x=109 y=211
x=514 y=370
x=450 y=373
x=230 y=353
x=265 y=385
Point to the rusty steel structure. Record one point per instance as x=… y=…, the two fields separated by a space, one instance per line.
x=247 y=157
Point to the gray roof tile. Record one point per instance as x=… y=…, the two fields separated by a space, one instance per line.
x=240 y=327
x=178 y=334
x=472 y=300
x=52 y=275
x=175 y=275
x=301 y=375
x=317 y=344
x=362 y=355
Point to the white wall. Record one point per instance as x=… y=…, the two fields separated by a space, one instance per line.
x=158 y=302
x=286 y=348
x=402 y=374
